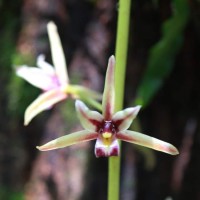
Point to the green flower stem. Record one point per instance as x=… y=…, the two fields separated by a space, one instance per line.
x=86 y=95
x=93 y=103
x=121 y=57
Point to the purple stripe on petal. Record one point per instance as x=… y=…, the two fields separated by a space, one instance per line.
x=125 y=137
x=147 y=141
x=90 y=120
x=109 y=91
x=108 y=112
x=123 y=119
x=95 y=122
x=68 y=140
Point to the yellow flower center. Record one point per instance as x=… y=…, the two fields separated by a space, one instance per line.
x=107 y=135
x=107 y=138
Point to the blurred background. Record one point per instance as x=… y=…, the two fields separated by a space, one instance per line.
x=163 y=74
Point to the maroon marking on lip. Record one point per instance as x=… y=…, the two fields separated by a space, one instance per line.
x=114 y=152
x=100 y=153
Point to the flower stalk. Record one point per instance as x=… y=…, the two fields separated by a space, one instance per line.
x=121 y=57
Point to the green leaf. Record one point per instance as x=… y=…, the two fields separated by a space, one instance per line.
x=162 y=55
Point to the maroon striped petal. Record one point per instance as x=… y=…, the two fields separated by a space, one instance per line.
x=123 y=119
x=67 y=140
x=90 y=120
x=109 y=91
x=147 y=141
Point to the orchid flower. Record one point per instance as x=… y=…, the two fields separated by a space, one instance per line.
x=109 y=127
x=53 y=81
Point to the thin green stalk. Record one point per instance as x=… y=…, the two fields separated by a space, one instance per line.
x=93 y=103
x=121 y=57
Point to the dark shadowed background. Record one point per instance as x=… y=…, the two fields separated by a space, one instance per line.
x=163 y=72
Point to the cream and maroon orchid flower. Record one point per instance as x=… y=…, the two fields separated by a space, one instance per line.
x=109 y=127
x=53 y=81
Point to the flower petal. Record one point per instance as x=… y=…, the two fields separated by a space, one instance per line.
x=43 y=102
x=124 y=118
x=102 y=150
x=58 y=56
x=67 y=140
x=147 y=141
x=37 y=77
x=41 y=63
x=109 y=91
x=90 y=120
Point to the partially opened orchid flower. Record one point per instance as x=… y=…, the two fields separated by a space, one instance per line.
x=108 y=127
x=53 y=81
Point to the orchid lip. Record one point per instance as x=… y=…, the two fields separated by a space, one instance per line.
x=105 y=150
